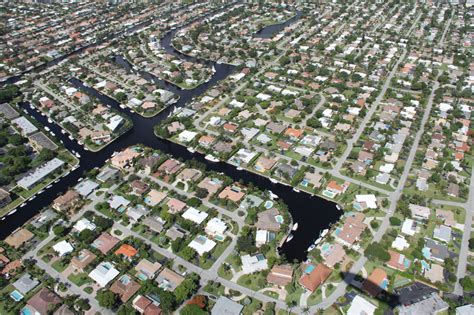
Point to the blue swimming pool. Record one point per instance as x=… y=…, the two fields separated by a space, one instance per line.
x=17 y=296
x=268 y=204
x=425 y=265
x=279 y=219
x=304 y=183
x=426 y=252
x=25 y=311
x=309 y=269
x=384 y=284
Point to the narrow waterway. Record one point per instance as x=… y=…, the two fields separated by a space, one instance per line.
x=313 y=214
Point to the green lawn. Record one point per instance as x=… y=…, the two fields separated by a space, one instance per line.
x=59 y=266
x=80 y=279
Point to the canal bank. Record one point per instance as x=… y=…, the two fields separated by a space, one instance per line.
x=312 y=213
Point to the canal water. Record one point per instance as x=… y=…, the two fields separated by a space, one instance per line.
x=312 y=213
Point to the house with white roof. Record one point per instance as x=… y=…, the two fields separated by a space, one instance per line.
x=369 y=200
x=201 y=244
x=216 y=227
x=186 y=136
x=84 y=224
x=409 y=227
x=104 y=273
x=251 y=264
x=400 y=243
x=419 y=212
x=63 y=248
x=194 y=215
x=360 y=306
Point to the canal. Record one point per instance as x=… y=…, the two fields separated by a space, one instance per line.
x=312 y=213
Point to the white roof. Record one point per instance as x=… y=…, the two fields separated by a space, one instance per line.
x=83 y=224
x=118 y=201
x=408 y=227
x=202 y=244
x=193 y=214
x=187 y=136
x=103 y=273
x=261 y=236
x=39 y=173
x=369 y=200
x=216 y=226
x=25 y=125
x=63 y=248
x=251 y=264
x=361 y=306
x=114 y=122
x=400 y=243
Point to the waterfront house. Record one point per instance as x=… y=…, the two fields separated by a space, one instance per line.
x=67 y=201
x=313 y=276
x=280 y=275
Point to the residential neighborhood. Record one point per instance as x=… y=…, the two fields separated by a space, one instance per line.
x=237 y=157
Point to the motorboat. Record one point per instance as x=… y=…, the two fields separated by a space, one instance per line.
x=295 y=227
x=338 y=207
x=311 y=247
x=316 y=242
x=50 y=120
x=289 y=238
x=70 y=137
x=122 y=106
x=11 y=212
x=272 y=195
x=324 y=232
x=239 y=168
x=192 y=150
x=211 y=158
x=296 y=190
x=46 y=128
x=52 y=133
x=273 y=180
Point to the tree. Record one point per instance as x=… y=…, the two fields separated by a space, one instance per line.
x=375 y=250
x=471 y=244
x=59 y=230
x=107 y=298
x=201 y=192
x=395 y=221
x=185 y=290
x=192 y=309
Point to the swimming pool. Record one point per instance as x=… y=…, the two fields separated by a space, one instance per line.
x=17 y=296
x=357 y=206
x=425 y=265
x=26 y=311
x=304 y=183
x=384 y=284
x=279 y=219
x=219 y=238
x=268 y=204
x=426 y=252
x=326 y=248
x=338 y=231
x=329 y=194
x=309 y=269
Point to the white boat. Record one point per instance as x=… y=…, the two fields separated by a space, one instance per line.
x=211 y=158
x=289 y=238
x=49 y=186
x=295 y=227
x=62 y=131
x=296 y=190
x=122 y=106
x=192 y=150
x=70 y=137
x=40 y=192
x=22 y=205
x=77 y=155
x=239 y=168
x=272 y=195
x=3 y=218
x=11 y=212
x=50 y=120
x=61 y=141
x=338 y=207
x=316 y=242
x=85 y=84
x=52 y=133
x=31 y=106
x=132 y=111
x=310 y=248
x=46 y=128
x=80 y=179
x=324 y=232
x=273 y=180
x=32 y=198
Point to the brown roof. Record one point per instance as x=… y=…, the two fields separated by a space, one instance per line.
x=315 y=278
x=84 y=258
x=352 y=229
x=125 y=287
x=280 y=275
x=266 y=220
x=105 y=242
x=19 y=237
x=373 y=283
x=42 y=300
